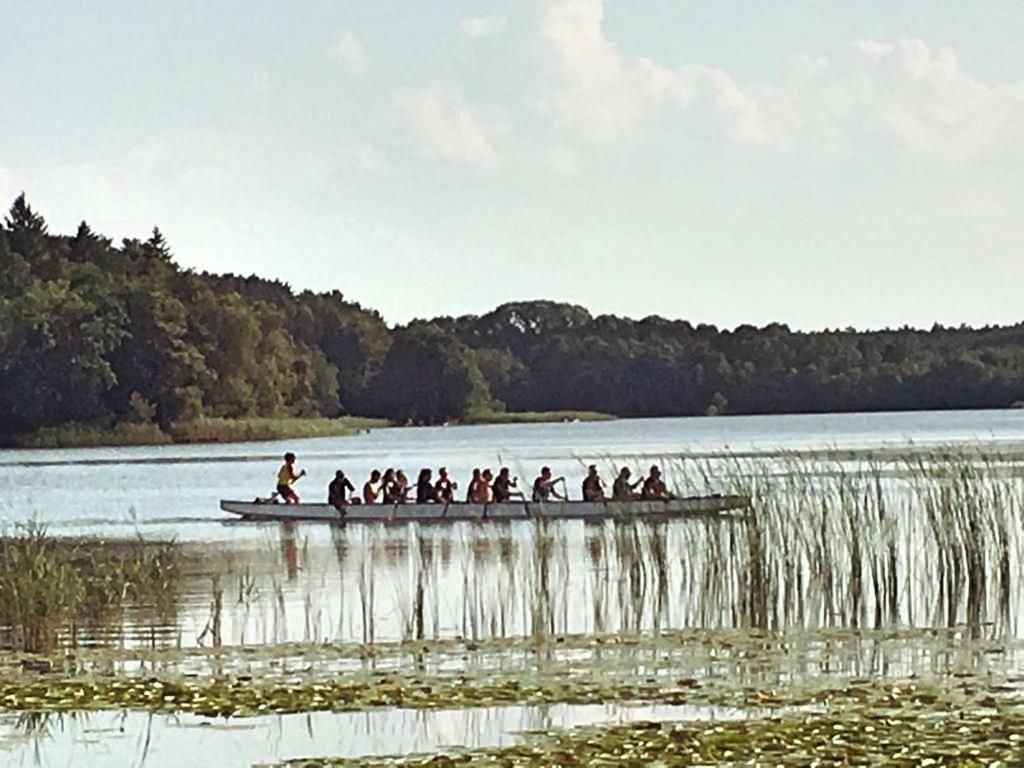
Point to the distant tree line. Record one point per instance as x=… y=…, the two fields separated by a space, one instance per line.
x=91 y=331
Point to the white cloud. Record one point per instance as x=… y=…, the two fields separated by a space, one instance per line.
x=446 y=125
x=348 y=49
x=903 y=93
x=482 y=26
x=608 y=94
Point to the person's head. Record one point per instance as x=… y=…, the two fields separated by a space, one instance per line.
x=289 y=458
x=624 y=472
x=503 y=472
x=339 y=475
x=425 y=475
x=375 y=476
x=400 y=475
x=389 y=474
x=545 y=472
x=476 y=474
x=592 y=470
x=488 y=475
x=655 y=472
x=443 y=473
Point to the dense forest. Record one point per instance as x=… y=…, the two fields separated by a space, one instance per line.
x=93 y=332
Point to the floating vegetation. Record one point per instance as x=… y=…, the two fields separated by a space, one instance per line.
x=898 y=736
x=749 y=672
x=243 y=698
x=50 y=585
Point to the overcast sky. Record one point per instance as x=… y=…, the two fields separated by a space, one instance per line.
x=820 y=163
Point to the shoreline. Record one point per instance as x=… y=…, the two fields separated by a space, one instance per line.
x=201 y=431
x=218 y=430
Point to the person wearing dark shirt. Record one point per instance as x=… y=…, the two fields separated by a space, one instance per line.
x=654 y=487
x=338 y=490
x=544 y=486
x=445 y=487
x=473 y=491
x=593 y=489
x=622 y=489
x=504 y=487
x=399 y=489
x=387 y=486
x=425 y=493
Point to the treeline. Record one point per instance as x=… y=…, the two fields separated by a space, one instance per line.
x=91 y=331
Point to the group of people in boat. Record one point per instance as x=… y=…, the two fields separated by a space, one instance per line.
x=392 y=486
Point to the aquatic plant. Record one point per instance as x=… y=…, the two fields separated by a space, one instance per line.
x=49 y=584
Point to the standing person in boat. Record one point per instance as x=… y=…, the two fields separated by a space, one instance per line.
x=445 y=487
x=473 y=491
x=425 y=491
x=287 y=475
x=544 y=487
x=338 y=491
x=654 y=487
x=372 y=488
x=622 y=489
x=593 y=488
x=505 y=487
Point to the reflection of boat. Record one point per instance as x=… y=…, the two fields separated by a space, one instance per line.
x=693 y=506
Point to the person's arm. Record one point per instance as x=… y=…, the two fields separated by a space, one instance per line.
x=555 y=493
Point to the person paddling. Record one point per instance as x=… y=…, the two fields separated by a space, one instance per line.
x=622 y=488
x=654 y=487
x=445 y=487
x=505 y=487
x=338 y=491
x=425 y=492
x=286 y=476
x=593 y=488
x=372 y=489
x=473 y=491
x=544 y=486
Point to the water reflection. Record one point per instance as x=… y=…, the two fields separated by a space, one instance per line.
x=119 y=739
x=938 y=546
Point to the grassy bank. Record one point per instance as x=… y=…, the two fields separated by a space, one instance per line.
x=198 y=431
x=533 y=417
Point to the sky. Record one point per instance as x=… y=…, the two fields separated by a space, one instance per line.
x=818 y=163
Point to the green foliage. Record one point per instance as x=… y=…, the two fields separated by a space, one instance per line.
x=96 y=334
x=46 y=582
x=429 y=377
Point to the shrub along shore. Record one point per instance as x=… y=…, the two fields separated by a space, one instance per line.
x=214 y=430
x=93 y=332
x=198 y=431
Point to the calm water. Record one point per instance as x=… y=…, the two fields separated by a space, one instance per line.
x=316 y=583
x=118 y=739
x=174 y=490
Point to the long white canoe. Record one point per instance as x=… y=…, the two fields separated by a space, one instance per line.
x=693 y=506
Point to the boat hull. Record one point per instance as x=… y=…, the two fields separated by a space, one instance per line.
x=695 y=506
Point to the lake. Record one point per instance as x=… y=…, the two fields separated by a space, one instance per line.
x=881 y=548
x=174 y=490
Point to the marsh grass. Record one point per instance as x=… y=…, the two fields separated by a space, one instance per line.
x=932 y=540
x=203 y=430
x=50 y=585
